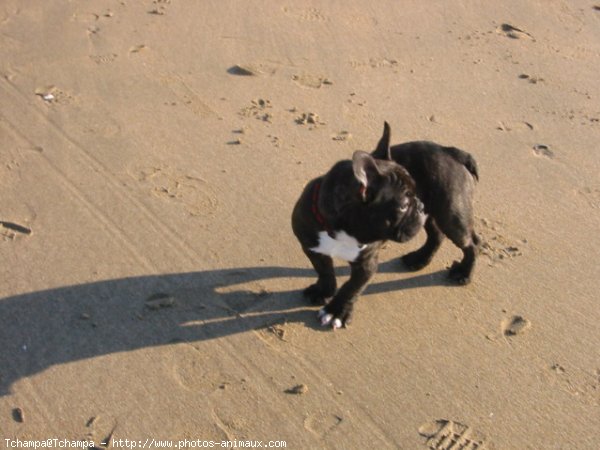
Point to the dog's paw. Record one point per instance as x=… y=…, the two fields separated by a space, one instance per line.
x=333 y=320
x=317 y=295
x=416 y=260
x=328 y=319
x=459 y=274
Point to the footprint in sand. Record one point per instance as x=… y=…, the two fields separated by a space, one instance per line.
x=516 y=325
x=230 y=422
x=188 y=97
x=252 y=69
x=11 y=230
x=242 y=298
x=274 y=332
x=52 y=95
x=179 y=187
x=311 y=81
x=515 y=125
x=160 y=7
x=138 y=48
x=513 y=32
x=321 y=423
x=581 y=384
x=104 y=59
x=375 y=63
x=496 y=245
x=100 y=429
x=160 y=300
x=531 y=79
x=448 y=435
x=259 y=109
x=342 y=136
x=305 y=14
x=543 y=150
x=195 y=372
x=592 y=195
x=92 y=21
x=311 y=119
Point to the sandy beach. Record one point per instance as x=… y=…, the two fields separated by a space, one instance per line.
x=151 y=154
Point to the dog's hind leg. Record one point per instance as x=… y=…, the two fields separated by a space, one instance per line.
x=461 y=271
x=420 y=258
x=467 y=240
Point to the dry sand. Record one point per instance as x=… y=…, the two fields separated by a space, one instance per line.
x=151 y=153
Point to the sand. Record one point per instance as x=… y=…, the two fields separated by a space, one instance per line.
x=151 y=153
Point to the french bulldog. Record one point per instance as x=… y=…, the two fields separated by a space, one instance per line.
x=349 y=213
x=445 y=179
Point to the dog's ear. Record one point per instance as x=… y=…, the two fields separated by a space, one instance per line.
x=383 y=147
x=365 y=170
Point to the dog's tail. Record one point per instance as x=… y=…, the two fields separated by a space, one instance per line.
x=464 y=158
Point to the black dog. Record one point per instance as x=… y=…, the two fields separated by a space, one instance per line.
x=348 y=213
x=445 y=179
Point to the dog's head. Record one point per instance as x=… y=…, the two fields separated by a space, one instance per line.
x=372 y=198
x=387 y=205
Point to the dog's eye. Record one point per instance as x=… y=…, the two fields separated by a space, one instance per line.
x=403 y=207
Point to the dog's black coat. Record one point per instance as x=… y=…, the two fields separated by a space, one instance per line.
x=445 y=179
x=363 y=202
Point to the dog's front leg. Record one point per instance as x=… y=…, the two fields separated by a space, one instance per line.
x=326 y=285
x=338 y=312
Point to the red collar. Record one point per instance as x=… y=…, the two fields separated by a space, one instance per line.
x=315 y=208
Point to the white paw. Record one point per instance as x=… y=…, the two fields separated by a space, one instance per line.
x=324 y=317
x=328 y=319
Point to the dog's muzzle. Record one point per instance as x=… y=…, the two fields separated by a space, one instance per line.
x=411 y=224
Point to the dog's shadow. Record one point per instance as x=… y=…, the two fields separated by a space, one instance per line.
x=72 y=323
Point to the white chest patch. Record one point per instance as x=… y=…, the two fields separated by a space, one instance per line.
x=343 y=246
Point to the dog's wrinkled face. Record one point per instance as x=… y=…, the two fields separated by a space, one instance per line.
x=394 y=210
x=385 y=206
